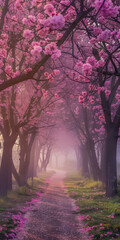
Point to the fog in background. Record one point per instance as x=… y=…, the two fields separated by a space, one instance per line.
x=63 y=154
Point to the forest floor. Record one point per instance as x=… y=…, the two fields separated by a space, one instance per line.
x=52 y=217
x=100 y=215
x=18 y=202
x=57 y=207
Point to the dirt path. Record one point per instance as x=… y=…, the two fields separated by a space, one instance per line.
x=53 y=218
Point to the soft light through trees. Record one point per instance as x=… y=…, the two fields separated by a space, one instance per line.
x=79 y=40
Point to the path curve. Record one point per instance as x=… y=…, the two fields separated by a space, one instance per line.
x=53 y=218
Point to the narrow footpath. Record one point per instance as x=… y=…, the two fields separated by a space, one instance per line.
x=53 y=218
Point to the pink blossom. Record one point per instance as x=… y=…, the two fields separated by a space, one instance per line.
x=42 y=43
x=101 y=117
x=81 y=99
x=93 y=41
x=117 y=96
x=101 y=228
x=104 y=36
x=27 y=69
x=32 y=18
x=36 y=51
x=1 y=64
x=90 y=87
x=56 y=72
x=110 y=216
x=109 y=233
x=92 y=61
x=29 y=21
x=49 y=9
x=50 y=48
x=118 y=35
x=113 y=11
x=8 y=70
x=28 y=34
x=97 y=30
x=59 y=35
x=3 y=53
x=92 y=101
x=46 y=74
x=36 y=3
x=56 y=54
x=79 y=64
x=84 y=93
x=4 y=36
x=41 y=68
x=107 y=9
x=65 y=3
x=56 y=95
x=100 y=63
x=103 y=54
x=54 y=22
x=87 y=69
x=40 y=16
x=35 y=44
x=107 y=92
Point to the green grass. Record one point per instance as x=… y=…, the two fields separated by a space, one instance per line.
x=101 y=216
x=16 y=204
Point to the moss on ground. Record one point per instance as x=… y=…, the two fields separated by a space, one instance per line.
x=100 y=215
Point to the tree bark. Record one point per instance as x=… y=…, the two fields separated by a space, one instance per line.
x=110 y=162
x=85 y=168
x=96 y=173
x=26 y=162
x=6 y=168
x=16 y=175
x=103 y=168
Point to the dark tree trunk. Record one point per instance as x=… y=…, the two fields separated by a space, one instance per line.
x=85 y=168
x=96 y=172
x=23 y=147
x=26 y=162
x=110 y=160
x=16 y=175
x=34 y=159
x=103 y=168
x=6 y=169
x=31 y=169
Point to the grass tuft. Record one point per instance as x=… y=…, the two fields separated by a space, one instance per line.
x=101 y=215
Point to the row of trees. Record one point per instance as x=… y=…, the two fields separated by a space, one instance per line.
x=68 y=50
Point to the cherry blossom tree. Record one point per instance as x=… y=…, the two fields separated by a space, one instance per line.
x=102 y=69
x=80 y=35
x=20 y=120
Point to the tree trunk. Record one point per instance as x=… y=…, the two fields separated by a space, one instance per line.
x=23 y=147
x=103 y=168
x=25 y=167
x=6 y=169
x=110 y=160
x=34 y=159
x=96 y=173
x=85 y=169
x=16 y=175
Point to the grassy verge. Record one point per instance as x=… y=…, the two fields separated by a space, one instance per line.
x=17 y=203
x=101 y=216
